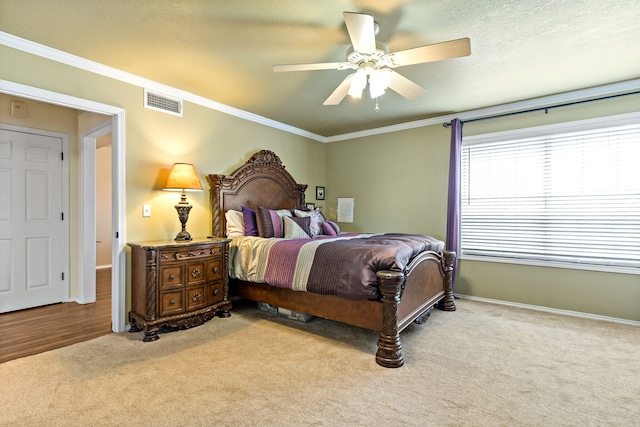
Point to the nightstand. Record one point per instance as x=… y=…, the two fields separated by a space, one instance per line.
x=178 y=285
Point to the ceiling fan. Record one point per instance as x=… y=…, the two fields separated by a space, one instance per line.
x=370 y=58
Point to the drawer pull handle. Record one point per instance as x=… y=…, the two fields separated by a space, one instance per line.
x=216 y=291
x=172 y=301
x=196 y=297
x=215 y=269
x=195 y=273
x=172 y=276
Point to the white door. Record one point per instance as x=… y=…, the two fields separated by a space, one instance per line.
x=31 y=227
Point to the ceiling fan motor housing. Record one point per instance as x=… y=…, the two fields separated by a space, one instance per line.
x=368 y=61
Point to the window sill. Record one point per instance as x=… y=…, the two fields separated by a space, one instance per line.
x=553 y=264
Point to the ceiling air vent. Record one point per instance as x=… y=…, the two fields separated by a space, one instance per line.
x=156 y=101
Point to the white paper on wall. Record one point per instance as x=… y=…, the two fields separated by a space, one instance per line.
x=345 y=209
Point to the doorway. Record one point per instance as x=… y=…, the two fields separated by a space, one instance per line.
x=118 y=234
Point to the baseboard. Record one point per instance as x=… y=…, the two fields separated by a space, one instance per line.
x=552 y=310
x=99 y=267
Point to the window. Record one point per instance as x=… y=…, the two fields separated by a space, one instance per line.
x=555 y=194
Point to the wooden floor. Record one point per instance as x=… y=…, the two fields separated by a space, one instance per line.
x=35 y=330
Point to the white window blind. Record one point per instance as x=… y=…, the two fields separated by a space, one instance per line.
x=569 y=197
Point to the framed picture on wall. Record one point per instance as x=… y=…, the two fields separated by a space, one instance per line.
x=310 y=205
x=319 y=193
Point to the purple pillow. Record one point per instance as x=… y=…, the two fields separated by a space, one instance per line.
x=250 y=222
x=330 y=228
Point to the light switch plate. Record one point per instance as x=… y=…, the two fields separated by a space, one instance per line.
x=146 y=210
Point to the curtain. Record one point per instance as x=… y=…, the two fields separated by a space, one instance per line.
x=453 y=204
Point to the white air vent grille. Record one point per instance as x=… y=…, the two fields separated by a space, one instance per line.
x=156 y=101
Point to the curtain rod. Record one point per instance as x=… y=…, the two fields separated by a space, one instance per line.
x=545 y=109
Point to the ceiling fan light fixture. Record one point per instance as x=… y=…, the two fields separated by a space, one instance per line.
x=358 y=83
x=379 y=81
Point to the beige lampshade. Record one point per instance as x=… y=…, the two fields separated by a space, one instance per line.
x=183 y=177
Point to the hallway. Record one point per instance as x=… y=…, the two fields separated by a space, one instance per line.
x=36 y=330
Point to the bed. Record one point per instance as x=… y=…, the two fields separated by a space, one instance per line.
x=405 y=295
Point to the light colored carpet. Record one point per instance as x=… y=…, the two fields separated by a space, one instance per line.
x=483 y=365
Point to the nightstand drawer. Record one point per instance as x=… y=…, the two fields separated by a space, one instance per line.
x=171 y=302
x=215 y=250
x=196 y=273
x=215 y=292
x=196 y=297
x=171 y=277
x=189 y=253
x=215 y=269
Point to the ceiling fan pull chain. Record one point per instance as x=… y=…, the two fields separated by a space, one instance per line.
x=377 y=108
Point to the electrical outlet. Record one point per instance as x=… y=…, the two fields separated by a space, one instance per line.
x=146 y=210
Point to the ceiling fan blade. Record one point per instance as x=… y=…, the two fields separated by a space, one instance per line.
x=403 y=85
x=341 y=91
x=309 y=67
x=432 y=52
x=361 y=32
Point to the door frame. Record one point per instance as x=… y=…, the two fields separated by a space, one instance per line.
x=87 y=274
x=118 y=165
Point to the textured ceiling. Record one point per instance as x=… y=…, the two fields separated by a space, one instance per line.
x=224 y=50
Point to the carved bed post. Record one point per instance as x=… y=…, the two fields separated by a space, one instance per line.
x=448 y=302
x=389 y=352
x=301 y=189
x=215 y=182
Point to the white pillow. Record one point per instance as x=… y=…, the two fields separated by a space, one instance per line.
x=235 y=223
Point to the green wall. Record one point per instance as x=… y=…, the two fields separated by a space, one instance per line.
x=399 y=181
x=213 y=141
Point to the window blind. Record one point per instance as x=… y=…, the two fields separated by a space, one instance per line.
x=570 y=197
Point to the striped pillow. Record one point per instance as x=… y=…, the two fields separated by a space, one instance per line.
x=270 y=221
x=330 y=228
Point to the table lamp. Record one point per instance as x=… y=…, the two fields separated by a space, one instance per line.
x=183 y=177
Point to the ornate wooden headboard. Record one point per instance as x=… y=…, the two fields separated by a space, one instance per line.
x=262 y=181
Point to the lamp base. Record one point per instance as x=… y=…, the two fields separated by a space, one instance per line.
x=183 y=236
x=183 y=215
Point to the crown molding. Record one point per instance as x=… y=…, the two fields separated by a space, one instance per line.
x=545 y=101
x=114 y=73
x=43 y=51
